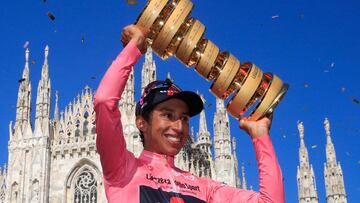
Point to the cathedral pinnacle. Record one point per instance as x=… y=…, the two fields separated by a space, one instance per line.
x=243 y=176
x=56 y=111
x=301 y=129
x=26 y=68
x=27 y=55
x=46 y=51
x=327 y=126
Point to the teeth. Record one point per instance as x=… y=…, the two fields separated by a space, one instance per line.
x=173 y=139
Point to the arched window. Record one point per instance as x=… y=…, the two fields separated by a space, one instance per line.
x=85 y=188
x=14 y=192
x=35 y=191
x=85 y=128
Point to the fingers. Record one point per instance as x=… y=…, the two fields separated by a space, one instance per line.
x=133 y=32
x=255 y=128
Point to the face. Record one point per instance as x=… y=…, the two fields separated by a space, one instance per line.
x=167 y=130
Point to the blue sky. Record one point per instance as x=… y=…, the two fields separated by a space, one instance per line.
x=312 y=45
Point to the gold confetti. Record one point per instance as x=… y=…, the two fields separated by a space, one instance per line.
x=355 y=100
x=82 y=39
x=51 y=16
x=358 y=162
x=132 y=2
x=314 y=146
x=33 y=61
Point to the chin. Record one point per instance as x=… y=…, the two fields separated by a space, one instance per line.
x=172 y=152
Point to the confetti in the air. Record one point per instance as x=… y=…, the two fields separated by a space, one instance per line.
x=332 y=65
x=132 y=2
x=355 y=100
x=343 y=89
x=33 y=61
x=26 y=44
x=51 y=16
x=314 y=146
x=274 y=16
x=83 y=39
x=306 y=85
x=93 y=77
x=21 y=80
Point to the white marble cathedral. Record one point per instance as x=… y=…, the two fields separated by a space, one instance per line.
x=55 y=159
x=333 y=175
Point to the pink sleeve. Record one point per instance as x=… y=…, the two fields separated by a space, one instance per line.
x=110 y=141
x=270 y=179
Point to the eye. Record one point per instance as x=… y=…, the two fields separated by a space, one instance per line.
x=167 y=115
x=185 y=118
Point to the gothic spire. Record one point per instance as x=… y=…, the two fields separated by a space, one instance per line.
x=203 y=135
x=327 y=130
x=23 y=106
x=224 y=160
x=168 y=76
x=42 y=115
x=243 y=186
x=236 y=164
x=26 y=68
x=148 y=72
x=221 y=130
x=333 y=175
x=56 y=110
x=305 y=175
x=330 y=149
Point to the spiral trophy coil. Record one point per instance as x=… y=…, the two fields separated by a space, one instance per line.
x=174 y=32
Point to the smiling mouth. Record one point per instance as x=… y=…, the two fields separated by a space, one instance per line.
x=173 y=139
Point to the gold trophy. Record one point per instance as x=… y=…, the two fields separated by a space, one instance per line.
x=174 y=32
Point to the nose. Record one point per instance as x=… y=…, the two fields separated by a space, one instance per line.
x=178 y=125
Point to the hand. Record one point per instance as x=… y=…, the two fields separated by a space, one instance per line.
x=136 y=33
x=256 y=128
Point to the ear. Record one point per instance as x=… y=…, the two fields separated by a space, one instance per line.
x=141 y=123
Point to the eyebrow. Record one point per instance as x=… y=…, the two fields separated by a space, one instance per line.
x=172 y=110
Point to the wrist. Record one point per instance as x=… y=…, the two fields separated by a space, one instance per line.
x=139 y=41
x=259 y=131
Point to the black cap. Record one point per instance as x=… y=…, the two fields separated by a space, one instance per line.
x=163 y=90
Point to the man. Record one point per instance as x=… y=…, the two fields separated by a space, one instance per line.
x=162 y=117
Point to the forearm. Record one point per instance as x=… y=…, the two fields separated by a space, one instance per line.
x=114 y=80
x=270 y=176
x=110 y=141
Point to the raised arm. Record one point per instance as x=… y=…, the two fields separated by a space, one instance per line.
x=110 y=140
x=271 y=187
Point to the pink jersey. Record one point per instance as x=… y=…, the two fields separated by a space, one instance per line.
x=154 y=177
